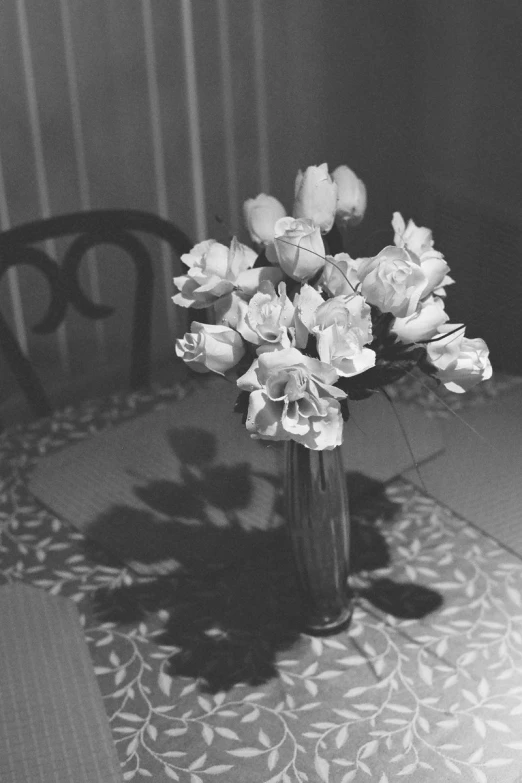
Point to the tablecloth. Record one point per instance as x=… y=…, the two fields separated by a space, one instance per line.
x=206 y=677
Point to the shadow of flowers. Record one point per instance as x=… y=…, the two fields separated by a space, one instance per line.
x=224 y=571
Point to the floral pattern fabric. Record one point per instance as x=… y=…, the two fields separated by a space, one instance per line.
x=392 y=698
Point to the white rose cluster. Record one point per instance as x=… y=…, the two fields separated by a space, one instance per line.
x=305 y=329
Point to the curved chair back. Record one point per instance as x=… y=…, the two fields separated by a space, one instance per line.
x=89 y=229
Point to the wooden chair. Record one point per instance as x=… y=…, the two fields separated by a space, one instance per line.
x=89 y=229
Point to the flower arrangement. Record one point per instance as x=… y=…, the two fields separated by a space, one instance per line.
x=305 y=327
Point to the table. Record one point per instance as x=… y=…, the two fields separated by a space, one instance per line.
x=206 y=677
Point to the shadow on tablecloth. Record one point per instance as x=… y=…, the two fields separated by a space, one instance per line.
x=232 y=596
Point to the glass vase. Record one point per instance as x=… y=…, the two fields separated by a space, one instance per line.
x=317 y=513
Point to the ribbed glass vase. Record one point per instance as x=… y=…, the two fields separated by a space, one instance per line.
x=317 y=513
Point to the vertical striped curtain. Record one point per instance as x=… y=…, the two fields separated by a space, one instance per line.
x=118 y=104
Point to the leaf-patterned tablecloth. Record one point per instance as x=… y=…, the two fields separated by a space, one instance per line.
x=438 y=698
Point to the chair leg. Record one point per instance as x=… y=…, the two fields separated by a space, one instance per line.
x=23 y=372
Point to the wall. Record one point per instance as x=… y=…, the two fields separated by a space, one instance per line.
x=469 y=156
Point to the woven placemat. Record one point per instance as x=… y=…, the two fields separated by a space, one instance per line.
x=53 y=725
x=140 y=488
x=479 y=474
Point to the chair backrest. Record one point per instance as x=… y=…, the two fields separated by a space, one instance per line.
x=89 y=229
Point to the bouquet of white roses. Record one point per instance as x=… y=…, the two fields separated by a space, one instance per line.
x=307 y=328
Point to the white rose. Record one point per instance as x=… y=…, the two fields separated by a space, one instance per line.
x=347 y=312
x=210 y=348
x=343 y=326
x=292 y=397
x=228 y=310
x=461 y=362
x=419 y=241
x=249 y=281
x=423 y=323
x=435 y=268
x=340 y=275
x=441 y=290
x=264 y=321
x=393 y=281
x=414 y=238
x=261 y=214
x=351 y=197
x=214 y=271
x=316 y=196
x=306 y=303
x=299 y=247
